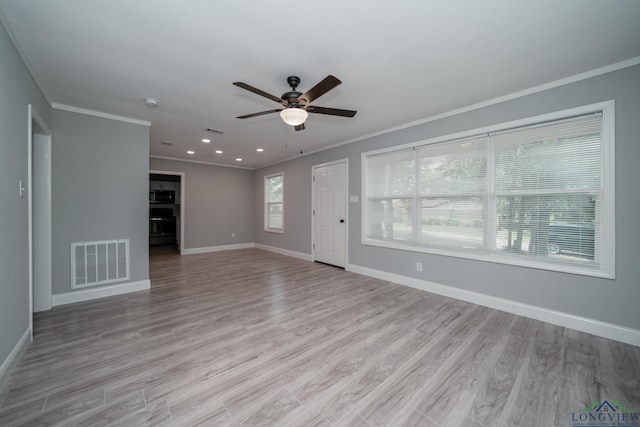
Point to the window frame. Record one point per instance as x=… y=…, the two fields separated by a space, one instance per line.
x=606 y=267
x=267 y=203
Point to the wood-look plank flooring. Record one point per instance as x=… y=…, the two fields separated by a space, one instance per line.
x=254 y=338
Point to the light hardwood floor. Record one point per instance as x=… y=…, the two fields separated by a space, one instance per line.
x=250 y=337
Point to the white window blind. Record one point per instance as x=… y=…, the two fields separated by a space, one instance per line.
x=538 y=192
x=548 y=189
x=453 y=184
x=392 y=194
x=274 y=202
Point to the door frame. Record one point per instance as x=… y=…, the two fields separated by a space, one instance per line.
x=346 y=207
x=37 y=126
x=182 y=207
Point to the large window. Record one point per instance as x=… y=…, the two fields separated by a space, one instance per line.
x=537 y=193
x=274 y=202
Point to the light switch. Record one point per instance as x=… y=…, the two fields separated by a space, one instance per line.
x=21 y=188
x=353 y=199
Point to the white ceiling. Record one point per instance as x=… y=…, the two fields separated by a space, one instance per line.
x=398 y=61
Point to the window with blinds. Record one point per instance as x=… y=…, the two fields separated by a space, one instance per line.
x=537 y=194
x=548 y=189
x=452 y=195
x=274 y=202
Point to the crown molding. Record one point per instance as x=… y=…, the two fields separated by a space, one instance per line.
x=79 y=110
x=515 y=95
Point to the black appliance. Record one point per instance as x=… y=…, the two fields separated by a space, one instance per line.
x=162 y=226
x=162 y=196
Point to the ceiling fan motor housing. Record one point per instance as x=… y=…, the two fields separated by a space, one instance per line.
x=292 y=96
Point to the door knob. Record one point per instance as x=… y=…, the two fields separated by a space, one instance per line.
x=342 y=221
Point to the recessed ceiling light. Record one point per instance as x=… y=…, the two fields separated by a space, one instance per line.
x=151 y=102
x=238 y=159
x=206 y=140
x=218 y=151
x=191 y=152
x=260 y=150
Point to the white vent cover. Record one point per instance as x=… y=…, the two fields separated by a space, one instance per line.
x=99 y=263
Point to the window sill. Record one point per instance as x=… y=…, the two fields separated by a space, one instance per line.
x=273 y=230
x=513 y=260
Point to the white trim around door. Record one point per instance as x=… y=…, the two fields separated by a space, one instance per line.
x=39 y=221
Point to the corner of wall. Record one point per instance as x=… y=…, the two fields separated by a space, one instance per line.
x=14 y=357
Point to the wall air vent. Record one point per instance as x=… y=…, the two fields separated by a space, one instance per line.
x=218 y=132
x=99 y=263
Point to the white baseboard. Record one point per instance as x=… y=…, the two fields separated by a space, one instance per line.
x=14 y=357
x=579 y=323
x=300 y=255
x=192 y=251
x=101 y=292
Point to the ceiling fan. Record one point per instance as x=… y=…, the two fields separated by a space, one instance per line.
x=296 y=104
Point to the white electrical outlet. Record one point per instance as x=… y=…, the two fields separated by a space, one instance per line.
x=418 y=266
x=233 y=234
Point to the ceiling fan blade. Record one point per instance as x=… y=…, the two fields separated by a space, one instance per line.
x=331 y=111
x=299 y=127
x=258 y=92
x=320 y=89
x=261 y=113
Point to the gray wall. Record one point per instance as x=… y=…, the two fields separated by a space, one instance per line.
x=613 y=301
x=297 y=204
x=218 y=201
x=17 y=89
x=100 y=185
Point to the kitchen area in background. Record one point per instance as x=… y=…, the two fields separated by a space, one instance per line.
x=164 y=212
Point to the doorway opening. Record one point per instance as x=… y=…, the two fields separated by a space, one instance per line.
x=166 y=212
x=39 y=214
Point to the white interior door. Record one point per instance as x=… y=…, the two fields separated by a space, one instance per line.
x=329 y=208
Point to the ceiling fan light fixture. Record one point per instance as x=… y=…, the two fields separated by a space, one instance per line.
x=294 y=116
